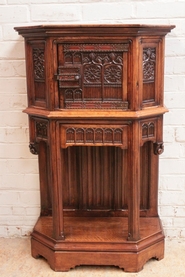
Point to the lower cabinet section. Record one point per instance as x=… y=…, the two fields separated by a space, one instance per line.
x=96 y=180
x=98 y=241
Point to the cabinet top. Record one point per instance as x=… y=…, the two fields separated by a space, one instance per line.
x=95 y=29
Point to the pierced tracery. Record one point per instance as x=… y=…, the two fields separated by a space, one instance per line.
x=39 y=64
x=149 y=61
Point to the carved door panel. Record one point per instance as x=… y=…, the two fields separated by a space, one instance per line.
x=92 y=76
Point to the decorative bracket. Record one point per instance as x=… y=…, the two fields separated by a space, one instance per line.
x=34 y=149
x=158 y=148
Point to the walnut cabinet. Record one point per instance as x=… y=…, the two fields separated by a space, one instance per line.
x=95 y=107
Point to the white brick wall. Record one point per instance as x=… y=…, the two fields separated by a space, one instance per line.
x=19 y=185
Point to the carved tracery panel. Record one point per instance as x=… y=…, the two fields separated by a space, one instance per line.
x=37 y=71
x=94 y=135
x=90 y=66
x=149 y=60
x=149 y=70
x=41 y=129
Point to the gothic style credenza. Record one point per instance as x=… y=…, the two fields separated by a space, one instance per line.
x=95 y=107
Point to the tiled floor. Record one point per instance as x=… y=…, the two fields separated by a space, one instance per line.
x=16 y=261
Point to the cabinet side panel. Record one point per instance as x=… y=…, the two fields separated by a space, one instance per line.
x=149 y=68
x=151 y=72
x=35 y=50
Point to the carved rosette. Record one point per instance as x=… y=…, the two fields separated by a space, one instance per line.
x=92 y=74
x=113 y=74
x=108 y=65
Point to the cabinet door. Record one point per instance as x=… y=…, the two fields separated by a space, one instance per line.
x=92 y=76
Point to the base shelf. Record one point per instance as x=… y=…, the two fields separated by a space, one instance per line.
x=98 y=241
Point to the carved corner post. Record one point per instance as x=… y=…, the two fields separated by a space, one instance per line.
x=134 y=151
x=44 y=180
x=158 y=149
x=134 y=183
x=39 y=146
x=57 y=201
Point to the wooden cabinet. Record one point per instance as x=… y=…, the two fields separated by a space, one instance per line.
x=95 y=107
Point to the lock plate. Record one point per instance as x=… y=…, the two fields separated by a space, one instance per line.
x=69 y=77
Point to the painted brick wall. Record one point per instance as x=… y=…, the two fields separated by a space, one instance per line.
x=19 y=185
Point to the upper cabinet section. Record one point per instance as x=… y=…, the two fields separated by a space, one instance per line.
x=105 y=67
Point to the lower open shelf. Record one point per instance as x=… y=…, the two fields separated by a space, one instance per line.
x=98 y=241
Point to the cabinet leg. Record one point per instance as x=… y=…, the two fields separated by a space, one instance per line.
x=35 y=254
